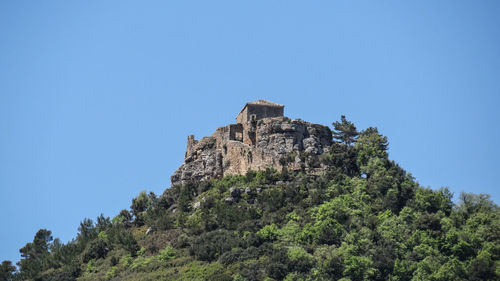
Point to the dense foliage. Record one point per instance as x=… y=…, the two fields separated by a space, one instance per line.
x=362 y=218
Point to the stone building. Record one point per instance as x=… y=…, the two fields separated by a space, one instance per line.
x=253 y=111
x=261 y=137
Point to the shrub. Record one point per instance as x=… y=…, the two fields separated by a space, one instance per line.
x=269 y=232
x=119 y=236
x=300 y=260
x=209 y=246
x=277 y=267
x=91 y=267
x=202 y=271
x=113 y=272
x=166 y=254
x=141 y=263
x=272 y=199
x=97 y=249
x=230 y=257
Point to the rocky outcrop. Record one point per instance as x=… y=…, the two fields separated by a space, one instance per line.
x=279 y=136
x=202 y=163
x=273 y=139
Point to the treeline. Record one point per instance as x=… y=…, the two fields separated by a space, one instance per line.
x=363 y=218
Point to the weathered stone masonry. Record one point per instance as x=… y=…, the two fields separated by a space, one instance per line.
x=258 y=140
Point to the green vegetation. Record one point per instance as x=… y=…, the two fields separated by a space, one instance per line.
x=363 y=218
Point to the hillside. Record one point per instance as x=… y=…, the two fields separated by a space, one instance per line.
x=271 y=198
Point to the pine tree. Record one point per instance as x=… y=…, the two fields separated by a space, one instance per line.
x=345 y=131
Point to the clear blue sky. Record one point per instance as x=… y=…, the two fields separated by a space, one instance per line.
x=97 y=97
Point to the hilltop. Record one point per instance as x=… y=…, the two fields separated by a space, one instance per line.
x=262 y=138
x=270 y=198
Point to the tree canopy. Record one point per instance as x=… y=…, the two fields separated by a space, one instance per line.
x=363 y=218
x=344 y=131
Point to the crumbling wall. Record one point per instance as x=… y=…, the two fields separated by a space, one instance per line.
x=191 y=143
x=236 y=132
x=275 y=138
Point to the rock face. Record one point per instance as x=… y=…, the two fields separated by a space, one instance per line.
x=268 y=142
x=203 y=163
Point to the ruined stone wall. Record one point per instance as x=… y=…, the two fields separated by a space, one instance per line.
x=275 y=138
x=249 y=129
x=191 y=143
x=243 y=116
x=236 y=132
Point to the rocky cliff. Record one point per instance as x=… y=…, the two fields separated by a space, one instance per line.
x=277 y=142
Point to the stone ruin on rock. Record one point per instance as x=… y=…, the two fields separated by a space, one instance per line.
x=261 y=138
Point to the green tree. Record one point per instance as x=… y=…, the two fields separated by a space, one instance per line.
x=370 y=144
x=300 y=259
x=103 y=223
x=345 y=131
x=35 y=255
x=140 y=205
x=86 y=231
x=7 y=271
x=97 y=249
x=210 y=246
x=470 y=204
x=431 y=201
x=358 y=268
x=344 y=158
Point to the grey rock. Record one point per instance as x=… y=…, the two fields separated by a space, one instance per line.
x=311 y=145
x=274 y=138
x=235 y=192
x=204 y=164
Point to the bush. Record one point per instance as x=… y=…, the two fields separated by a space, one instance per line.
x=300 y=260
x=159 y=219
x=210 y=246
x=113 y=272
x=119 y=236
x=272 y=199
x=230 y=216
x=55 y=275
x=269 y=232
x=202 y=271
x=97 y=249
x=142 y=263
x=166 y=254
x=277 y=267
x=230 y=257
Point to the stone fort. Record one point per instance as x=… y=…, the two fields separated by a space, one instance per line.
x=261 y=137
